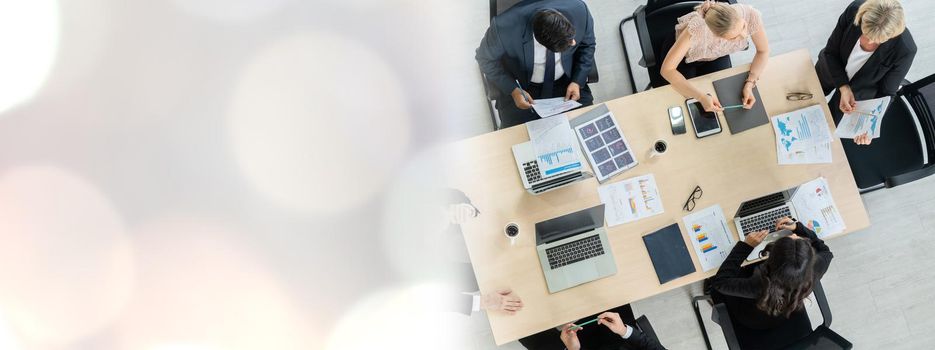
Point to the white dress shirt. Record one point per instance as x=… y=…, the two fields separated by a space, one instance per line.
x=856 y=60
x=538 y=63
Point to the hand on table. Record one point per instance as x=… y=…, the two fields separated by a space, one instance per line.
x=711 y=104
x=573 y=92
x=785 y=223
x=848 y=104
x=748 y=98
x=613 y=322
x=863 y=139
x=570 y=336
x=520 y=97
x=503 y=300
x=755 y=238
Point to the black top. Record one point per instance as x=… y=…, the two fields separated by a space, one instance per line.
x=744 y=284
x=880 y=76
x=506 y=52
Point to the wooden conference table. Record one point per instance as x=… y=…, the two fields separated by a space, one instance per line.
x=729 y=168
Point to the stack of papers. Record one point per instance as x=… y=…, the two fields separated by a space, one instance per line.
x=710 y=236
x=816 y=209
x=630 y=200
x=607 y=147
x=555 y=145
x=802 y=136
x=866 y=120
x=551 y=106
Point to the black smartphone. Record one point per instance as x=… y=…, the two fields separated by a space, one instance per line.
x=677 y=119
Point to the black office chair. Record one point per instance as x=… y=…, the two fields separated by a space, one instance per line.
x=822 y=337
x=655 y=24
x=497 y=7
x=905 y=150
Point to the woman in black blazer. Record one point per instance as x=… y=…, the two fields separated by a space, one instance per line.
x=765 y=300
x=878 y=27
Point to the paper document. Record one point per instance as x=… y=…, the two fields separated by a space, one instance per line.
x=630 y=200
x=802 y=136
x=548 y=107
x=710 y=236
x=606 y=146
x=555 y=145
x=866 y=120
x=816 y=209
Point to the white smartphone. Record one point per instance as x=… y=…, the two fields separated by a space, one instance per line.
x=705 y=123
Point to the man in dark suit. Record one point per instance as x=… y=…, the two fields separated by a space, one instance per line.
x=547 y=46
x=613 y=332
x=867 y=56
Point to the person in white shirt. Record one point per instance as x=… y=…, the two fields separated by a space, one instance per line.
x=538 y=49
x=867 y=56
x=467 y=299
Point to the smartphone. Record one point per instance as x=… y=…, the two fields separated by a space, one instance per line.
x=705 y=123
x=677 y=119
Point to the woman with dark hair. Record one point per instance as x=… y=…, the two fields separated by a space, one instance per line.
x=765 y=300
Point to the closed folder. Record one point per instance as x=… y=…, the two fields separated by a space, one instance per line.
x=669 y=254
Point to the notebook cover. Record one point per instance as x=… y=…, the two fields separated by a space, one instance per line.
x=730 y=92
x=669 y=254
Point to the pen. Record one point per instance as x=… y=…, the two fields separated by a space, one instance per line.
x=734 y=106
x=523 y=92
x=581 y=325
x=864 y=113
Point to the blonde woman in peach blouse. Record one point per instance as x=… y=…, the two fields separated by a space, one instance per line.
x=703 y=41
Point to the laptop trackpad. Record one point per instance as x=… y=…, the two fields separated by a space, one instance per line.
x=581 y=272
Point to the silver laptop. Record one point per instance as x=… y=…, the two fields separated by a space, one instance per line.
x=573 y=249
x=534 y=180
x=761 y=214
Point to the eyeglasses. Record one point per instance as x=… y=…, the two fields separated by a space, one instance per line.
x=690 y=203
x=798 y=96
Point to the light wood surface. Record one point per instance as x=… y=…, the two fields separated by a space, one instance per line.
x=729 y=168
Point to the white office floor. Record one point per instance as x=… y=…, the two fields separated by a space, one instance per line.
x=879 y=284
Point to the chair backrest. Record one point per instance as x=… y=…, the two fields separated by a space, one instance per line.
x=498 y=6
x=920 y=95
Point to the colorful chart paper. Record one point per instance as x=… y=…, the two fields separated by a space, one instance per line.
x=710 y=236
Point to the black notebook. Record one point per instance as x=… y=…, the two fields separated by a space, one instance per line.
x=730 y=92
x=667 y=250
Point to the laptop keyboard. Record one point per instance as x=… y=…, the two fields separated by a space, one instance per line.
x=573 y=252
x=764 y=221
x=533 y=174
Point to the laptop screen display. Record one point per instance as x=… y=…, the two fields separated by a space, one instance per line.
x=569 y=224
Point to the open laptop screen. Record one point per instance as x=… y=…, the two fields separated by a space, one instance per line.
x=569 y=224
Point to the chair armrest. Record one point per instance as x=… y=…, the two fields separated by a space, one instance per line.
x=901 y=179
x=822 y=304
x=642 y=31
x=593 y=76
x=723 y=319
x=704 y=332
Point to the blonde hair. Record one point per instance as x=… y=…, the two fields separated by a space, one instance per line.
x=719 y=17
x=880 y=20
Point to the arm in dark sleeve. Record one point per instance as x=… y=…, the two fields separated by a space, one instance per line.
x=729 y=280
x=831 y=55
x=584 y=53
x=821 y=249
x=892 y=79
x=488 y=56
x=639 y=341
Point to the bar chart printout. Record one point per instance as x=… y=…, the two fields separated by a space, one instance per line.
x=555 y=145
x=711 y=238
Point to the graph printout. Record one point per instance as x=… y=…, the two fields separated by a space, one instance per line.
x=816 y=209
x=630 y=200
x=802 y=136
x=710 y=236
x=554 y=144
x=606 y=147
x=866 y=120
